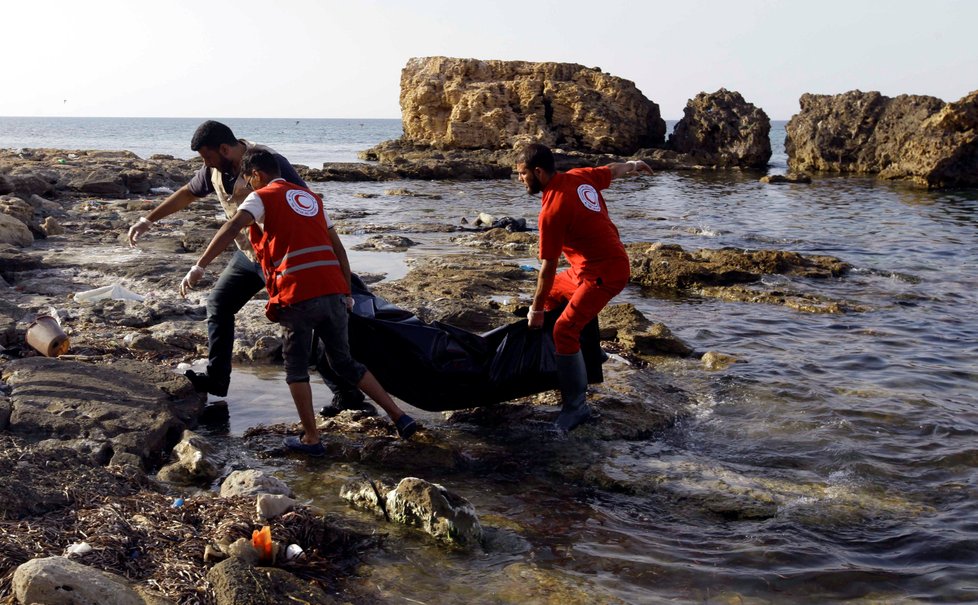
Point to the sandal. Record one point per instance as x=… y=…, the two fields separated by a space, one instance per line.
x=295 y=444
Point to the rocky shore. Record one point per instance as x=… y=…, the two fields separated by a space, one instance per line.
x=121 y=439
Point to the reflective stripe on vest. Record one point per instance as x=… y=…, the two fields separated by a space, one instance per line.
x=278 y=263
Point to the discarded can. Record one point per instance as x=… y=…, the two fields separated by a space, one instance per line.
x=45 y=335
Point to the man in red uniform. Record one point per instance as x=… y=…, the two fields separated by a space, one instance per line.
x=574 y=221
x=307 y=275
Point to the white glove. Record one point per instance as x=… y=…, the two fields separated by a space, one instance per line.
x=140 y=227
x=535 y=318
x=349 y=302
x=190 y=280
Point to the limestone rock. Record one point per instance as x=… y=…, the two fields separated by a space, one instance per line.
x=252 y=482
x=30 y=184
x=51 y=226
x=61 y=581
x=434 y=509
x=101 y=182
x=14 y=231
x=917 y=138
x=17 y=208
x=723 y=129
x=777 y=179
x=450 y=103
x=195 y=461
x=236 y=582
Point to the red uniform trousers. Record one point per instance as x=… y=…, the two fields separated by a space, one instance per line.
x=586 y=296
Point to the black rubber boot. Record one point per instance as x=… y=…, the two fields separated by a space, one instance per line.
x=205 y=384
x=572 y=378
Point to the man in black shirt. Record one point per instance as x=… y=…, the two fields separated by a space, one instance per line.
x=242 y=278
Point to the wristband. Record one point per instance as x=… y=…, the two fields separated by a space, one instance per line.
x=632 y=165
x=143 y=219
x=197 y=268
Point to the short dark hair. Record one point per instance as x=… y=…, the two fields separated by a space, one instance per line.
x=260 y=159
x=537 y=155
x=212 y=134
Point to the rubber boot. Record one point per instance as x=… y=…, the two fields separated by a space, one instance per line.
x=572 y=379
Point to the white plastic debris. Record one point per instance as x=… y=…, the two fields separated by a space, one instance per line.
x=79 y=548
x=160 y=190
x=115 y=292
x=293 y=551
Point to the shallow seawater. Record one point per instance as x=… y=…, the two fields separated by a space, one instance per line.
x=838 y=462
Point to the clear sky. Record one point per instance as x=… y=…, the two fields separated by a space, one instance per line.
x=342 y=59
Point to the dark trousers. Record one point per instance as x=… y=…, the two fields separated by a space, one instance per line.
x=241 y=279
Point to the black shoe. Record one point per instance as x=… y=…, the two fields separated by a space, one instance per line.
x=204 y=384
x=406 y=426
x=348 y=401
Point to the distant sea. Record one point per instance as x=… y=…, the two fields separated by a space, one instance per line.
x=302 y=141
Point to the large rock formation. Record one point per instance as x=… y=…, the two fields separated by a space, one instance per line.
x=451 y=103
x=724 y=130
x=917 y=138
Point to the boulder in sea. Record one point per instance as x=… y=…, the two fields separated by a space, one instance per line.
x=916 y=138
x=451 y=103
x=724 y=130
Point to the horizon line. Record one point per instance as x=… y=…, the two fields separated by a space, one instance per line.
x=251 y=118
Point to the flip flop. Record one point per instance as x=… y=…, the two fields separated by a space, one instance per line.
x=295 y=444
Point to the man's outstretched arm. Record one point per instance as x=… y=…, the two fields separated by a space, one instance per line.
x=620 y=169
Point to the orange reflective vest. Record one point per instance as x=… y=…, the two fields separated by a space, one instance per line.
x=294 y=247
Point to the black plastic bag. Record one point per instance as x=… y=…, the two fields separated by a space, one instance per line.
x=439 y=367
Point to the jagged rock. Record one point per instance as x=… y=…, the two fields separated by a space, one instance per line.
x=724 y=130
x=61 y=581
x=51 y=226
x=195 y=461
x=17 y=208
x=670 y=267
x=774 y=179
x=418 y=503
x=450 y=103
x=626 y=324
x=917 y=138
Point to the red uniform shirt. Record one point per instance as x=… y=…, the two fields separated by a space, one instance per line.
x=574 y=220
